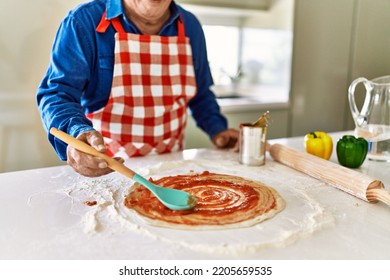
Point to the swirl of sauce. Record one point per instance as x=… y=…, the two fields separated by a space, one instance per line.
x=221 y=199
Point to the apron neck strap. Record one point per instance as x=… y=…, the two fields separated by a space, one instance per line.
x=180 y=27
x=105 y=23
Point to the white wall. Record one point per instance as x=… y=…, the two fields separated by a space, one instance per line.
x=27 y=30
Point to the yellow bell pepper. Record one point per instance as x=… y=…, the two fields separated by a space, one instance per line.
x=319 y=143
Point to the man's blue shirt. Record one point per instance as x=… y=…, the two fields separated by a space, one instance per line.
x=79 y=78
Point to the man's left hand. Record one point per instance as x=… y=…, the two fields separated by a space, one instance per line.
x=227 y=139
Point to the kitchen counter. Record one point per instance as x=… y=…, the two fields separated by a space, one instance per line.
x=44 y=216
x=240 y=104
x=257 y=98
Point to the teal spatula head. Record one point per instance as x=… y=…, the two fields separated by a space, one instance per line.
x=171 y=198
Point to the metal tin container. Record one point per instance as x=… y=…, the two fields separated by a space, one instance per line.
x=252 y=144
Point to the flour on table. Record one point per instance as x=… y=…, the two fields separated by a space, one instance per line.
x=302 y=216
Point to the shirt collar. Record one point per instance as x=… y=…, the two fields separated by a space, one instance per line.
x=114 y=8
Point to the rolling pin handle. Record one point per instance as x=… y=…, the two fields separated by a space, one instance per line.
x=379 y=194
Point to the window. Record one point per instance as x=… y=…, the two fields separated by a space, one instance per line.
x=250 y=61
x=223 y=52
x=266 y=56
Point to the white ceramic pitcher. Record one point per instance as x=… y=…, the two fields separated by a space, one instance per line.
x=372 y=122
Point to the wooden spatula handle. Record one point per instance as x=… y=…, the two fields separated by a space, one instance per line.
x=84 y=147
x=348 y=180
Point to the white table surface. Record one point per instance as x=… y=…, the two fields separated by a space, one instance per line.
x=37 y=221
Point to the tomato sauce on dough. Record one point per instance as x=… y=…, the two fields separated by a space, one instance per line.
x=220 y=200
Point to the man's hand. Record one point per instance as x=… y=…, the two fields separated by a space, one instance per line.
x=85 y=164
x=227 y=139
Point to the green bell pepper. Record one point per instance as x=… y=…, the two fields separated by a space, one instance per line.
x=351 y=151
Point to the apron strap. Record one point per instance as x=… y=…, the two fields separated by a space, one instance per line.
x=180 y=27
x=105 y=23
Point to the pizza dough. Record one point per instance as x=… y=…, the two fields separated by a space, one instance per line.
x=223 y=201
x=112 y=222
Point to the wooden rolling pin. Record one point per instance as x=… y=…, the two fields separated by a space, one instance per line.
x=348 y=180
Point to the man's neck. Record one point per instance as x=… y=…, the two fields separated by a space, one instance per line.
x=147 y=26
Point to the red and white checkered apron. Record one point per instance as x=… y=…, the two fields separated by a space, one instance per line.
x=153 y=81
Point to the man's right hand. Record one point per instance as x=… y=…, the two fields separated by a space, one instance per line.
x=85 y=164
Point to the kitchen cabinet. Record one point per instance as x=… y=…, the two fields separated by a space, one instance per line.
x=335 y=41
